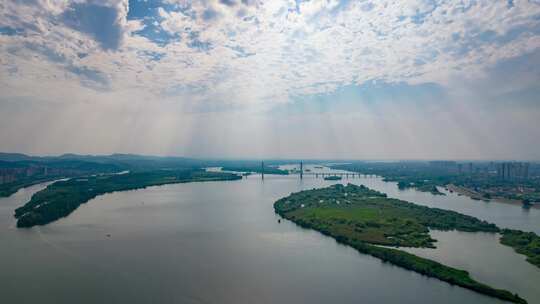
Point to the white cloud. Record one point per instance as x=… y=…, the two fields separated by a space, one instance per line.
x=239 y=54
x=278 y=48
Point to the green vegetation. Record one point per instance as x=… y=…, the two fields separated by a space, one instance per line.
x=420 y=185
x=431 y=269
x=254 y=168
x=15 y=175
x=527 y=243
x=19 y=170
x=372 y=217
x=364 y=218
x=419 y=176
x=61 y=198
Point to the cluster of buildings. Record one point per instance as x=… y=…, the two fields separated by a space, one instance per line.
x=513 y=170
x=452 y=166
x=468 y=168
x=8 y=175
x=443 y=164
x=503 y=170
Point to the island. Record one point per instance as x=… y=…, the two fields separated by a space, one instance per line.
x=370 y=222
x=63 y=197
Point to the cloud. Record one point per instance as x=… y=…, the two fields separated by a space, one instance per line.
x=372 y=95
x=102 y=20
x=413 y=42
x=277 y=49
x=212 y=56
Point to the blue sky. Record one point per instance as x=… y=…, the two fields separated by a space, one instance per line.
x=282 y=78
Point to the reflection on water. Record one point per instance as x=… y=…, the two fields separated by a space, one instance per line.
x=214 y=242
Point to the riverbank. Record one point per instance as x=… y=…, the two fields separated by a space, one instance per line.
x=526 y=243
x=255 y=169
x=363 y=218
x=10 y=188
x=479 y=197
x=61 y=198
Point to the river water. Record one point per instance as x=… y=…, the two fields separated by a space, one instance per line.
x=220 y=242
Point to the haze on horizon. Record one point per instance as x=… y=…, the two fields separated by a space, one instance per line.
x=272 y=79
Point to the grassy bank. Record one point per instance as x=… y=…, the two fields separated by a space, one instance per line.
x=526 y=243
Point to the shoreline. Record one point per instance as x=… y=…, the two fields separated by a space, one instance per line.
x=477 y=196
x=62 y=198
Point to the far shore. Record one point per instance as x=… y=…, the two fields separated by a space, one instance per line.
x=477 y=196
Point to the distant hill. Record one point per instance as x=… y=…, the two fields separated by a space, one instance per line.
x=14 y=156
x=147 y=162
x=119 y=161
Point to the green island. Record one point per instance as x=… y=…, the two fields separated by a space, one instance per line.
x=526 y=243
x=365 y=219
x=63 y=197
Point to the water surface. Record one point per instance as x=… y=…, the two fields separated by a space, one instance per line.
x=212 y=242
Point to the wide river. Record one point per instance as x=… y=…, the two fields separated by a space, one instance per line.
x=220 y=242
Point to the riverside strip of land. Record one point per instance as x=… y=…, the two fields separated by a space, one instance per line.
x=364 y=218
x=63 y=197
x=480 y=197
x=483 y=183
x=254 y=169
x=527 y=243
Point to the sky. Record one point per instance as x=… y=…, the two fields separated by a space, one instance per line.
x=339 y=79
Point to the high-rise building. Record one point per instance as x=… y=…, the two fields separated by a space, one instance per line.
x=511 y=171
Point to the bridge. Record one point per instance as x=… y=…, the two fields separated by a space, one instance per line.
x=320 y=174
x=303 y=173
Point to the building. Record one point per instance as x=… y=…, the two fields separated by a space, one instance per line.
x=446 y=165
x=513 y=170
x=443 y=163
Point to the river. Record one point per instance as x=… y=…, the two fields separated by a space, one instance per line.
x=220 y=242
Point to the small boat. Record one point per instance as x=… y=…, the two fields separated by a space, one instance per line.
x=333 y=177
